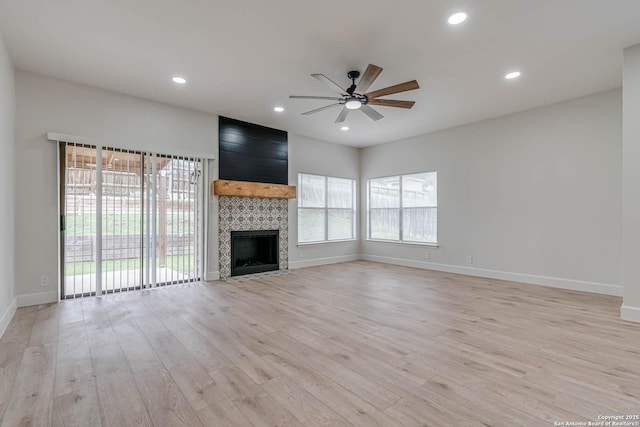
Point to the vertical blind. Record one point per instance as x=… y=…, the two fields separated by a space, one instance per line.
x=129 y=220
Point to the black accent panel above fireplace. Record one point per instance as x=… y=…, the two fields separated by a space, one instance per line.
x=254 y=251
x=250 y=152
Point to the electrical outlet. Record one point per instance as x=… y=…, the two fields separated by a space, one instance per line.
x=469 y=259
x=428 y=256
x=44 y=280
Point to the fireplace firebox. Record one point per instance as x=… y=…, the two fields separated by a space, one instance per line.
x=254 y=251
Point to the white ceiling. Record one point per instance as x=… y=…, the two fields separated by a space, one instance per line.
x=241 y=58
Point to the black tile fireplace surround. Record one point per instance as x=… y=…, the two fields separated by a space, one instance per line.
x=254 y=251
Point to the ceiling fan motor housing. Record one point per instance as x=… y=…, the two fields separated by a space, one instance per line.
x=355 y=97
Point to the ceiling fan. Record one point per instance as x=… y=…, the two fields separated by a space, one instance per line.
x=355 y=98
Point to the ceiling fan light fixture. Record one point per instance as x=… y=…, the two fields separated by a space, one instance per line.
x=353 y=104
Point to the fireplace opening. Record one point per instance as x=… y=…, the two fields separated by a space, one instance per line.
x=254 y=251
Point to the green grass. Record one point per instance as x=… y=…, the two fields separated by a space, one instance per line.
x=175 y=263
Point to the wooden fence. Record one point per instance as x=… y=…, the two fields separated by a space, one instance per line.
x=83 y=248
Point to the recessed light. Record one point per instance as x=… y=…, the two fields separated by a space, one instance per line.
x=278 y=109
x=457 y=18
x=512 y=75
x=344 y=128
x=179 y=80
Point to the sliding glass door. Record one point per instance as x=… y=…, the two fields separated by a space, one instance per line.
x=129 y=220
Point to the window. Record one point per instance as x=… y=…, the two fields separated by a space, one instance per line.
x=404 y=208
x=326 y=208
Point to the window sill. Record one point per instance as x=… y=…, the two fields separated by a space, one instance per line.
x=395 y=242
x=324 y=242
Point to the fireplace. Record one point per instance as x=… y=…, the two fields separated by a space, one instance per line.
x=250 y=214
x=254 y=251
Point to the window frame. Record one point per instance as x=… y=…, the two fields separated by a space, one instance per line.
x=400 y=210
x=326 y=209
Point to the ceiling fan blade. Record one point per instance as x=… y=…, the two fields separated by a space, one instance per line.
x=391 y=103
x=329 y=98
x=373 y=114
x=326 y=80
x=370 y=74
x=402 y=87
x=343 y=115
x=317 y=110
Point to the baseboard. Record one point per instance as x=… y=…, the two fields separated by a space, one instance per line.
x=531 y=279
x=629 y=313
x=7 y=316
x=323 y=261
x=212 y=275
x=36 y=299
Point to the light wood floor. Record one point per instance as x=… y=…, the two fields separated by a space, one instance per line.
x=360 y=344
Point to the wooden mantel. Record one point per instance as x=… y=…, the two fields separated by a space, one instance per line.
x=222 y=187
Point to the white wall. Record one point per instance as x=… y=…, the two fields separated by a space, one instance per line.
x=49 y=105
x=7 y=213
x=307 y=155
x=535 y=196
x=536 y=193
x=631 y=184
